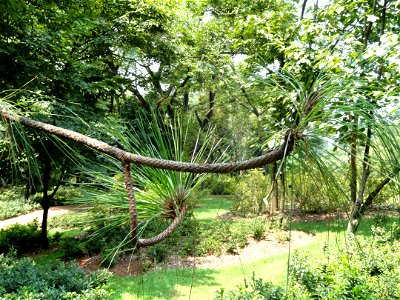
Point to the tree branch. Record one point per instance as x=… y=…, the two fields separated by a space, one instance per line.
x=271 y=156
x=166 y=233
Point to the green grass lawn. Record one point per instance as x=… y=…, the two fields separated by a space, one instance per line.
x=212 y=207
x=203 y=283
x=198 y=283
x=195 y=283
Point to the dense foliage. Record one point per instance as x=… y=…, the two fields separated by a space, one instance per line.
x=23 y=279
x=12 y=203
x=366 y=269
x=20 y=238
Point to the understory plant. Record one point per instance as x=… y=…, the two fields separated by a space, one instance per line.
x=364 y=269
x=20 y=238
x=159 y=194
x=12 y=203
x=23 y=279
x=251 y=191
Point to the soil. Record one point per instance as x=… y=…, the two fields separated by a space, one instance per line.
x=275 y=242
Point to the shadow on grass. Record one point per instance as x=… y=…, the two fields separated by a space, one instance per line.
x=161 y=284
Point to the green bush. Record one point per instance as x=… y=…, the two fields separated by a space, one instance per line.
x=97 y=240
x=258 y=230
x=22 y=279
x=250 y=192
x=219 y=236
x=257 y=289
x=72 y=247
x=12 y=203
x=220 y=184
x=21 y=238
x=65 y=194
x=367 y=269
x=389 y=233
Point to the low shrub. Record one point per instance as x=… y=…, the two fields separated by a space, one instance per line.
x=12 y=203
x=21 y=238
x=368 y=269
x=220 y=184
x=22 y=279
x=250 y=192
x=258 y=230
x=97 y=240
x=257 y=289
x=219 y=236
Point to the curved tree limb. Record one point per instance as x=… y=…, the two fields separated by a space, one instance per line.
x=271 y=156
x=166 y=233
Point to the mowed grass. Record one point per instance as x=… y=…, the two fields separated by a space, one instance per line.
x=202 y=283
x=197 y=284
x=194 y=283
x=212 y=207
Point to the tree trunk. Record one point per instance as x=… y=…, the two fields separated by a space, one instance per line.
x=282 y=192
x=44 y=240
x=274 y=189
x=361 y=206
x=45 y=203
x=353 y=163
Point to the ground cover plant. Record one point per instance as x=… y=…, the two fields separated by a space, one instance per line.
x=365 y=269
x=20 y=238
x=12 y=203
x=23 y=279
x=204 y=283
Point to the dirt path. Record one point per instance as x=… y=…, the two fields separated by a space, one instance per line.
x=27 y=218
x=275 y=243
x=270 y=246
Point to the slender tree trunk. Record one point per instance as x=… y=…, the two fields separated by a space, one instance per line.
x=186 y=102
x=357 y=214
x=353 y=163
x=303 y=9
x=282 y=191
x=45 y=203
x=274 y=187
x=360 y=205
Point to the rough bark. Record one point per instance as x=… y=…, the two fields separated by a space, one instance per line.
x=274 y=188
x=282 y=192
x=166 y=233
x=271 y=156
x=133 y=214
